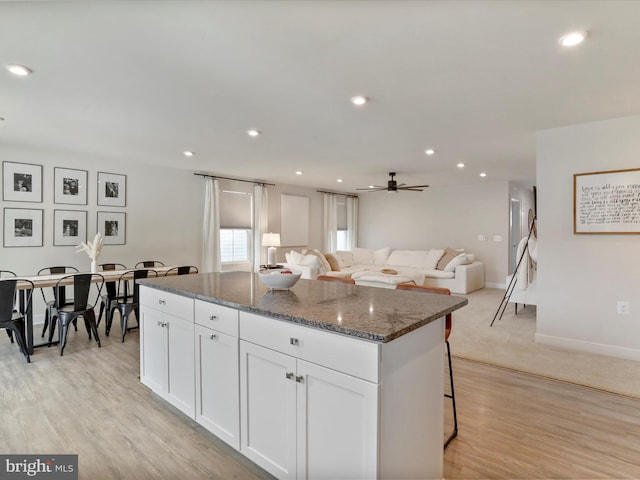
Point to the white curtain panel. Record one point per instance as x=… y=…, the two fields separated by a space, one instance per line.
x=352 y=222
x=211 y=227
x=260 y=224
x=330 y=223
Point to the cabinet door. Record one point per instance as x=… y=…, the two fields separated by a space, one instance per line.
x=152 y=349
x=267 y=409
x=217 y=384
x=180 y=386
x=337 y=424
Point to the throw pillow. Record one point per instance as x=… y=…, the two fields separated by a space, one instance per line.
x=345 y=257
x=433 y=256
x=362 y=256
x=380 y=256
x=333 y=262
x=449 y=254
x=324 y=264
x=461 y=259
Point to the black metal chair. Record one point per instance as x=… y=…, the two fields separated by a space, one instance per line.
x=125 y=303
x=11 y=319
x=109 y=287
x=182 y=270
x=8 y=274
x=81 y=307
x=59 y=295
x=447 y=332
x=149 y=264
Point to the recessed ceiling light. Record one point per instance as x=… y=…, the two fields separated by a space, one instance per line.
x=188 y=153
x=20 y=70
x=429 y=151
x=359 y=100
x=483 y=174
x=572 y=39
x=253 y=132
x=299 y=172
x=460 y=165
x=339 y=180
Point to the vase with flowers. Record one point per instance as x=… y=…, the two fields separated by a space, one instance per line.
x=93 y=250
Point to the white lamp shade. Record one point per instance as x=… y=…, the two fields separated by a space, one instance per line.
x=270 y=239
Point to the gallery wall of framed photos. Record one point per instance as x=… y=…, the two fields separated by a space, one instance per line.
x=74 y=191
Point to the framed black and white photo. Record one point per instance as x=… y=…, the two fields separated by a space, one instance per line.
x=112 y=189
x=113 y=227
x=69 y=227
x=70 y=186
x=22 y=227
x=21 y=182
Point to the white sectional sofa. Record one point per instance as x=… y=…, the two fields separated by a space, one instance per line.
x=453 y=269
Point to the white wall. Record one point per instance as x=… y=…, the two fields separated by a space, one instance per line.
x=442 y=217
x=581 y=277
x=164 y=215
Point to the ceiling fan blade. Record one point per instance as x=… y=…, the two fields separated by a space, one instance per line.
x=417 y=186
x=401 y=185
x=374 y=189
x=411 y=189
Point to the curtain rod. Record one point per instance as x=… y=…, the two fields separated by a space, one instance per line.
x=256 y=182
x=352 y=195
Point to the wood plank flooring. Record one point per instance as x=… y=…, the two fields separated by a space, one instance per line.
x=90 y=402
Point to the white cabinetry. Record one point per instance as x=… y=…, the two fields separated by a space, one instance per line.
x=301 y=419
x=217 y=373
x=166 y=347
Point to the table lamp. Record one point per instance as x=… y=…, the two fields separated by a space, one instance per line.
x=271 y=240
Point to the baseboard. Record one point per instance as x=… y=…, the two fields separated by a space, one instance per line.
x=590 y=347
x=500 y=286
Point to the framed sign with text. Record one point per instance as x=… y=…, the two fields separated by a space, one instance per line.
x=606 y=202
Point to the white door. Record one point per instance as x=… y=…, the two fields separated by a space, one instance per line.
x=217 y=384
x=267 y=409
x=152 y=349
x=180 y=391
x=337 y=424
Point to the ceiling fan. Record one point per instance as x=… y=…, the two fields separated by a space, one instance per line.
x=393 y=186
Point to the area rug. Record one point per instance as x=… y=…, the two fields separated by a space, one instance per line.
x=510 y=343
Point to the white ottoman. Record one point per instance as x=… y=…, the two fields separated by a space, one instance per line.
x=379 y=279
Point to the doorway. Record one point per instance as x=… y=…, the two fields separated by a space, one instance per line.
x=515 y=233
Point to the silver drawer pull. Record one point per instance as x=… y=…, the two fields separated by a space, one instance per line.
x=299 y=379
x=213 y=317
x=289 y=375
x=162 y=302
x=294 y=341
x=162 y=324
x=213 y=336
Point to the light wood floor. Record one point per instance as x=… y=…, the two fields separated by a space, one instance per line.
x=90 y=402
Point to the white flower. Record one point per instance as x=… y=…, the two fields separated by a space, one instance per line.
x=92 y=249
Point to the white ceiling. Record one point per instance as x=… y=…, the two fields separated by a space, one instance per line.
x=145 y=80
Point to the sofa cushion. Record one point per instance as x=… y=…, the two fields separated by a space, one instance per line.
x=300 y=259
x=362 y=256
x=449 y=254
x=381 y=256
x=333 y=261
x=345 y=258
x=407 y=258
x=438 y=274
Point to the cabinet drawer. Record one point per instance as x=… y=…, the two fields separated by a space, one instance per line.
x=339 y=352
x=220 y=318
x=168 y=303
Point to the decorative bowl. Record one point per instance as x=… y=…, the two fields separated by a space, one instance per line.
x=279 y=279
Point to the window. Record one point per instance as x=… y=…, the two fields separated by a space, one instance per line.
x=342 y=240
x=235 y=245
x=341 y=211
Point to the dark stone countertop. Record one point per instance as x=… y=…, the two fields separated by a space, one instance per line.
x=376 y=314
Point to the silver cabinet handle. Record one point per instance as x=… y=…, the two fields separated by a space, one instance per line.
x=213 y=317
x=213 y=336
x=299 y=379
x=294 y=341
x=162 y=324
x=289 y=375
x=162 y=302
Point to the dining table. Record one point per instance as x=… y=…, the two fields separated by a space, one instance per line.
x=45 y=281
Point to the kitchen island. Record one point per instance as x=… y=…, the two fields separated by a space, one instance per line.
x=325 y=380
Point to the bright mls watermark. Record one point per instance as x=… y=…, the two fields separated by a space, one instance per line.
x=52 y=467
